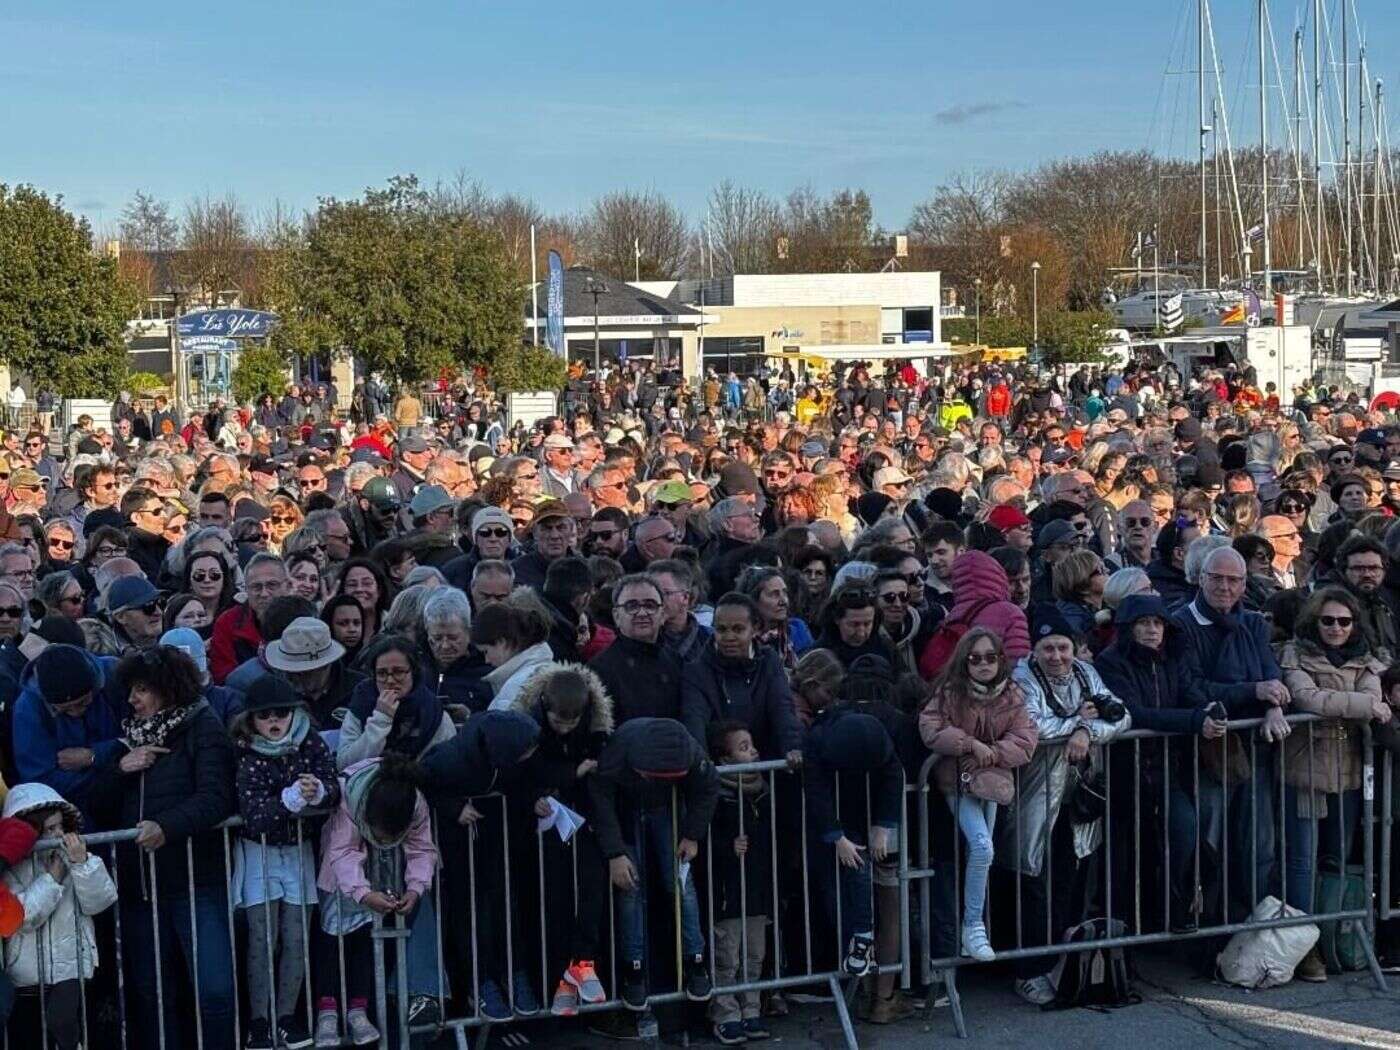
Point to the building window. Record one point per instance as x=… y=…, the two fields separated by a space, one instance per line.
x=742 y=355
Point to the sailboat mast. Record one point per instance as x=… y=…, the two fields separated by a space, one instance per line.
x=1346 y=155
x=1376 y=188
x=1317 y=140
x=1264 y=142
x=1201 y=122
x=1298 y=142
x=1362 y=93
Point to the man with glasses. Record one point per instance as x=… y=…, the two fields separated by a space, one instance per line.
x=36 y=450
x=135 y=609
x=31 y=492
x=311 y=479
x=641 y=675
x=1137 y=533
x=145 y=544
x=653 y=539
x=558 y=478
x=1361 y=563
x=414 y=457
x=1287 y=543
x=433 y=539
x=893 y=482
x=681 y=632
x=607 y=487
x=734 y=528
x=96 y=486
x=1227 y=651
x=492 y=581
x=237 y=632
x=606 y=533
x=1055 y=540
x=778 y=472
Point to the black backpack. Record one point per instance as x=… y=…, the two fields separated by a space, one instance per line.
x=1097 y=978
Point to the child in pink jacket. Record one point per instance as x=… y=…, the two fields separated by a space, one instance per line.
x=377 y=864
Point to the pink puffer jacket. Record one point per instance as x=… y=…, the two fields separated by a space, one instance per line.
x=981 y=598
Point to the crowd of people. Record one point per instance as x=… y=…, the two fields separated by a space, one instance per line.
x=396 y=640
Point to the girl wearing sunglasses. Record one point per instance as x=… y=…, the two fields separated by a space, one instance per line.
x=978 y=722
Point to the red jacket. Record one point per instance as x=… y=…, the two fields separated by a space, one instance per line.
x=999 y=400
x=982 y=598
x=236 y=638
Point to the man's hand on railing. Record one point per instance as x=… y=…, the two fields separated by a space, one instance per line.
x=150 y=835
x=741 y=845
x=1272 y=692
x=588 y=765
x=622 y=872
x=687 y=849
x=1275 y=726
x=469 y=816
x=794 y=758
x=407 y=903
x=1212 y=729
x=542 y=807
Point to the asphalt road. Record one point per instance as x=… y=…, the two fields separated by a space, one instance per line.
x=1178 y=1010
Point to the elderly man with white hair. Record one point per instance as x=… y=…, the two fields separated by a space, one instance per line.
x=1226 y=649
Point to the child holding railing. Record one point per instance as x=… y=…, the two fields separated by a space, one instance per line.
x=284 y=767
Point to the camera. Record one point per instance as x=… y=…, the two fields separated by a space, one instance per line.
x=1110 y=708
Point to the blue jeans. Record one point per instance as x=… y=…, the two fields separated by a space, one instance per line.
x=212 y=965
x=976 y=817
x=1249 y=839
x=1329 y=838
x=653 y=845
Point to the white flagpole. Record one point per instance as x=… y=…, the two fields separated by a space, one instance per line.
x=534 y=289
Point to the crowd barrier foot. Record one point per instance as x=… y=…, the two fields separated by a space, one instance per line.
x=843 y=1010
x=950 y=988
x=1373 y=963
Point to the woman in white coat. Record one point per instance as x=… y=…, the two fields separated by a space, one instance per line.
x=513 y=637
x=1073 y=712
x=61 y=889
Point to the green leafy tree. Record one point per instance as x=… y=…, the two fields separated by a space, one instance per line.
x=142 y=383
x=528 y=368
x=996 y=331
x=1074 y=335
x=260 y=370
x=63 y=308
x=405 y=287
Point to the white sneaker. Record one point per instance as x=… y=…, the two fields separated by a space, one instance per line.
x=327 y=1028
x=359 y=1029
x=975 y=944
x=1037 y=990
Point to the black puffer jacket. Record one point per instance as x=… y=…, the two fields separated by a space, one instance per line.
x=643 y=761
x=753 y=691
x=188 y=792
x=643 y=679
x=554 y=766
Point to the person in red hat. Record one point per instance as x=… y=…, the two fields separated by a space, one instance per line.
x=1013 y=524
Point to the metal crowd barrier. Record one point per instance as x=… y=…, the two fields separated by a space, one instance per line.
x=1264 y=786
x=786 y=967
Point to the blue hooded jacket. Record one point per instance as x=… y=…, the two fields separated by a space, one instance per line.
x=40 y=734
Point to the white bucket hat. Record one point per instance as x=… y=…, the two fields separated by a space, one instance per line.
x=305 y=645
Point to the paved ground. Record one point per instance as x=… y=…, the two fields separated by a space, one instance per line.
x=1177 y=1011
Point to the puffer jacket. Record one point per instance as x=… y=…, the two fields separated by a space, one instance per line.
x=1021 y=837
x=554 y=765
x=754 y=691
x=507 y=680
x=982 y=599
x=1001 y=722
x=58 y=925
x=1343 y=695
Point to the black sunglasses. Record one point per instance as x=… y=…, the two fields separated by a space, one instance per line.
x=276 y=712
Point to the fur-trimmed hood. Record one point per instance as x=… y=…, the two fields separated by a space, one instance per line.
x=528 y=700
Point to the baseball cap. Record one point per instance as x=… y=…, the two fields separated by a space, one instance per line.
x=1007 y=517
x=550 y=508
x=429 y=498
x=412 y=443
x=890 y=476
x=491 y=516
x=380 y=490
x=131 y=592
x=26 y=478
x=261 y=465
x=558 y=441
x=1058 y=531
x=368 y=455
x=673 y=491
x=813 y=449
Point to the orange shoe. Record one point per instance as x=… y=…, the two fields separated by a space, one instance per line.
x=585 y=981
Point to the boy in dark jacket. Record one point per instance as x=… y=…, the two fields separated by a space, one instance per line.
x=648 y=761
x=574 y=714
x=489 y=754
x=851 y=751
x=742 y=848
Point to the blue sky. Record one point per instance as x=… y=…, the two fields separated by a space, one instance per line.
x=564 y=101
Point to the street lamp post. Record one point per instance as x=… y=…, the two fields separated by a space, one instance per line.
x=1035 y=307
x=977 y=286
x=595 y=289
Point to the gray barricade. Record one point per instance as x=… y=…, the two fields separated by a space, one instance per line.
x=1234 y=799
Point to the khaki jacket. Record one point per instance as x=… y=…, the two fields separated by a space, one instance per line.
x=1326 y=756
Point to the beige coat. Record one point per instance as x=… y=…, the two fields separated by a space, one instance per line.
x=1343 y=695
